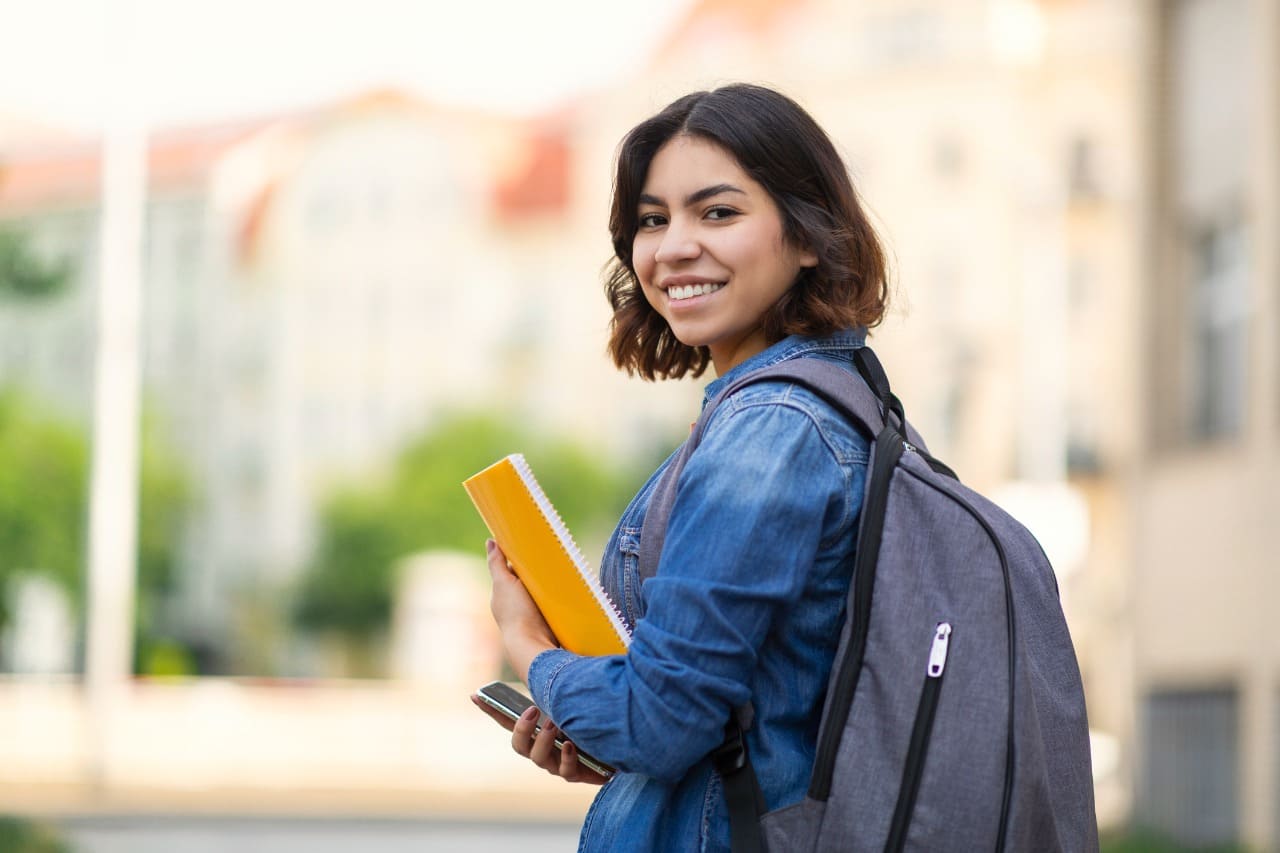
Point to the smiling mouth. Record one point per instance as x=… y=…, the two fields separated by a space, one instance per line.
x=688 y=291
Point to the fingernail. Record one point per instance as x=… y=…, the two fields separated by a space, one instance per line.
x=530 y=713
x=570 y=749
x=489 y=545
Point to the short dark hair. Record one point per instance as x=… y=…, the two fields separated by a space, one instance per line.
x=783 y=149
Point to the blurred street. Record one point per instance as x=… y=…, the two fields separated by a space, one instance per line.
x=276 y=769
x=252 y=834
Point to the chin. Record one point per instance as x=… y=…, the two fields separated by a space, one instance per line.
x=694 y=341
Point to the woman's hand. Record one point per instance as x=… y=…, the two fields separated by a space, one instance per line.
x=540 y=748
x=525 y=634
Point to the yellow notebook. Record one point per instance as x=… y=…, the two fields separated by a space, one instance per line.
x=546 y=559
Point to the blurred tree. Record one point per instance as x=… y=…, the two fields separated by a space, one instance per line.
x=348 y=587
x=22 y=835
x=1141 y=840
x=164 y=497
x=44 y=509
x=24 y=274
x=43 y=465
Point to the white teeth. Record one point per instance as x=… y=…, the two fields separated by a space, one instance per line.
x=689 y=290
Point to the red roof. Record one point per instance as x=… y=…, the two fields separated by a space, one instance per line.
x=541 y=183
x=71 y=174
x=755 y=17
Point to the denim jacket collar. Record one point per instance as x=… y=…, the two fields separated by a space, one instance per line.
x=789 y=347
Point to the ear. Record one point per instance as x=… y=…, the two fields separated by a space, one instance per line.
x=808 y=258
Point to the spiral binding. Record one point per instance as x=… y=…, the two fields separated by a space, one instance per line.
x=579 y=560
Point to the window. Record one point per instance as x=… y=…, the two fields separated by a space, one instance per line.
x=1189 y=784
x=908 y=35
x=1200 y=292
x=1082 y=169
x=326 y=212
x=948 y=156
x=1219 y=315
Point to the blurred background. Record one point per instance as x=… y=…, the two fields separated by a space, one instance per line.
x=275 y=277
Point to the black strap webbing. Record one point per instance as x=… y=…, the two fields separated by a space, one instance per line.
x=742 y=793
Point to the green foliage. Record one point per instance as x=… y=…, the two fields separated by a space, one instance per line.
x=164 y=495
x=1148 y=841
x=43 y=477
x=44 y=473
x=163 y=658
x=348 y=586
x=19 y=835
x=23 y=274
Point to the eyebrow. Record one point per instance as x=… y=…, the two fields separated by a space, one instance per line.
x=694 y=197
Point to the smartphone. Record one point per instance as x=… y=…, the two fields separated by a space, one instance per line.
x=512 y=703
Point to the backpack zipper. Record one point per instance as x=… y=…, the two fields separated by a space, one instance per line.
x=1010 y=758
x=889 y=447
x=921 y=731
x=938 y=466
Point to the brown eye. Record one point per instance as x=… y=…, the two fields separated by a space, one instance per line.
x=719 y=214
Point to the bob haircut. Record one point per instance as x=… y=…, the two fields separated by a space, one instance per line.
x=783 y=149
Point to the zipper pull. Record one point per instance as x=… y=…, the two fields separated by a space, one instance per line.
x=938 y=651
x=908 y=446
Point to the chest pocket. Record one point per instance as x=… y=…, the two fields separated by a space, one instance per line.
x=629 y=547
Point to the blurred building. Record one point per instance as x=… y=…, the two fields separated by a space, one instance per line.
x=318 y=288
x=1206 y=502
x=1080 y=199
x=997 y=146
x=1077 y=196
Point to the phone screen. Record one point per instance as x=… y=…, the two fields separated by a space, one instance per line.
x=513 y=703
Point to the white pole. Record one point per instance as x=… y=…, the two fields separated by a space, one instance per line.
x=113 y=497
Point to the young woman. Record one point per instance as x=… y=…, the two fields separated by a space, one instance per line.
x=739 y=243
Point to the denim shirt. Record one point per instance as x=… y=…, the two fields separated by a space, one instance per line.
x=746 y=604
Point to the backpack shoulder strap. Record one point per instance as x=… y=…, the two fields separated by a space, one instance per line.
x=866 y=409
x=839 y=388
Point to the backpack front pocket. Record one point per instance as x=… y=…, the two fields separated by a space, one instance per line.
x=918 y=747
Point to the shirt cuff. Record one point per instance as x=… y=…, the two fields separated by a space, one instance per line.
x=542 y=674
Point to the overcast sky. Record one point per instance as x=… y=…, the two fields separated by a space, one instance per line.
x=198 y=60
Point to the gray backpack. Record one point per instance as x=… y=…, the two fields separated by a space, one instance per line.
x=954 y=716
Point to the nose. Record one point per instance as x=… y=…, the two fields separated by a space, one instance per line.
x=679 y=243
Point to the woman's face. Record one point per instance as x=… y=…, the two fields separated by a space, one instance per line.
x=709 y=252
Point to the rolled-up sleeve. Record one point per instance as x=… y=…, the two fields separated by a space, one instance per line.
x=744 y=531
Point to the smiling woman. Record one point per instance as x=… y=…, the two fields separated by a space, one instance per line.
x=713 y=260
x=739 y=243
x=746 y=164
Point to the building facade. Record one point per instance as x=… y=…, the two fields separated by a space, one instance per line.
x=1207 y=661
x=318 y=289
x=1080 y=199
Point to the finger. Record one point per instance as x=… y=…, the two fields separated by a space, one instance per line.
x=497 y=560
x=572 y=770
x=506 y=584
x=523 y=731
x=544 y=752
x=496 y=715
